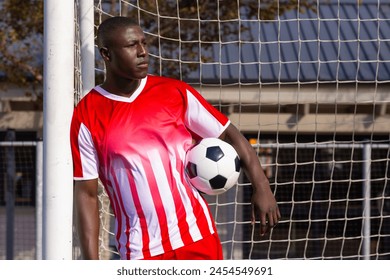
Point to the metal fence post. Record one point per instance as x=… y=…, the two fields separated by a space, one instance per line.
x=10 y=195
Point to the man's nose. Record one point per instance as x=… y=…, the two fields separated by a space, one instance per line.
x=142 y=50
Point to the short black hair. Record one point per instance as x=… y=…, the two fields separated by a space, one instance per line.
x=108 y=26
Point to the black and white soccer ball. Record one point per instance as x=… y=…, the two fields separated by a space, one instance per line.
x=212 y=166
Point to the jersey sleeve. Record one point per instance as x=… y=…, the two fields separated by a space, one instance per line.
x=84 y=155
x=202 y=118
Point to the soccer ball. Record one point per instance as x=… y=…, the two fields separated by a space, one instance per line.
x=212 y=166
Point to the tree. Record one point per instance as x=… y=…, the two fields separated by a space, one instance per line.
x=177 y=37
x=182 y=33
x=21 y=41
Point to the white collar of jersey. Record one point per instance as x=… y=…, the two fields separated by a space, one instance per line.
x=122 y=98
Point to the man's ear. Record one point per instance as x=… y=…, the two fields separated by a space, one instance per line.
x=105 y=53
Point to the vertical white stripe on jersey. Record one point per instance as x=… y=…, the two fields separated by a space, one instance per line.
x=191 y=219
x=205 y=209
x=88 y=156
x=146 y=199
x=197 y=195
x=166 y=197
x=123 y=190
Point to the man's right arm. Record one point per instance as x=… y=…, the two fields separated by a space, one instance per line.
x=87 y=217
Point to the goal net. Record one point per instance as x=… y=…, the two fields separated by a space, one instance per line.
x=307 y=82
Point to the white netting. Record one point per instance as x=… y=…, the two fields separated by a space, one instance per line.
x=307 y=83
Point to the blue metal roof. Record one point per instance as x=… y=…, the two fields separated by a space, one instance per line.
x=341 y=41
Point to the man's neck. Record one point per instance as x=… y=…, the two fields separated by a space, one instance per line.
x=121 y=89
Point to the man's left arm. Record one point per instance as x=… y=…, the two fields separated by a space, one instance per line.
x=263 y=201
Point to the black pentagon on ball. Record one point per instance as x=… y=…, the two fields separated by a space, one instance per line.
x=191 y=170
x=214 y=153
x=237 y=164
x=218 y=182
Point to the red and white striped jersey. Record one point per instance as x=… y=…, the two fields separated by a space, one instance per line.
x=136 y=146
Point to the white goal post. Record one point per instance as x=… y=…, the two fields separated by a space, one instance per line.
x=308 y=85
x=58 y=83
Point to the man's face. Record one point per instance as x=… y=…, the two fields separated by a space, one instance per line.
x=128 y=53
